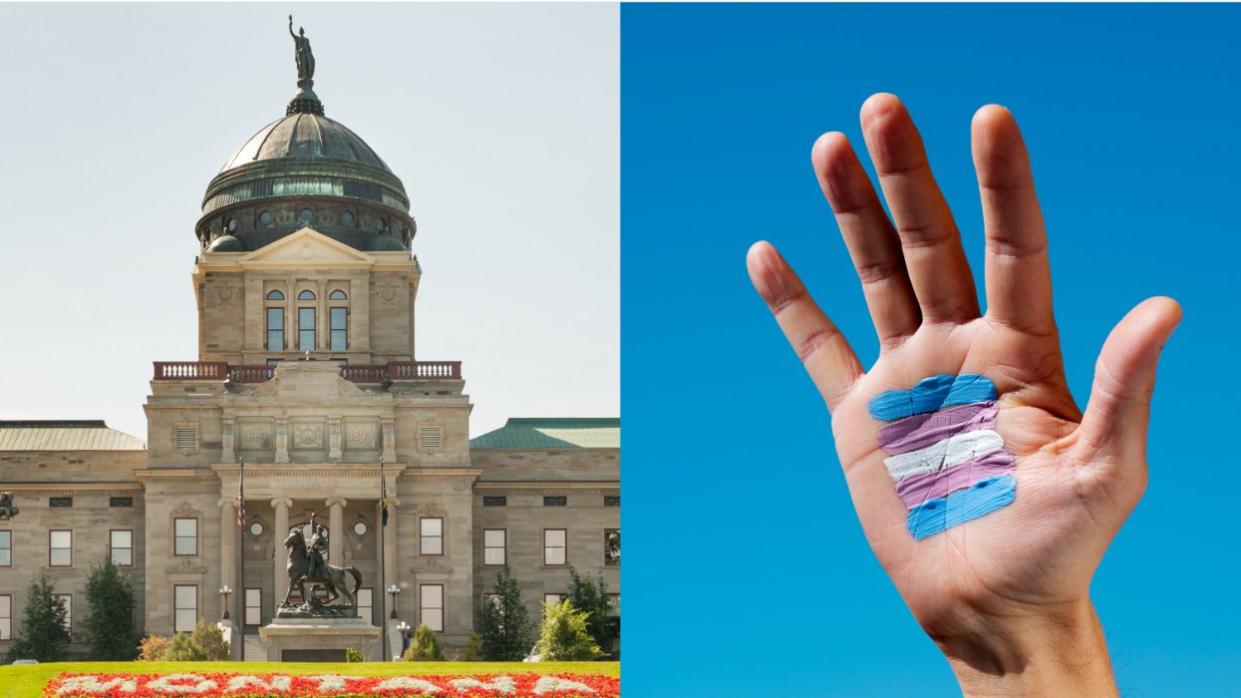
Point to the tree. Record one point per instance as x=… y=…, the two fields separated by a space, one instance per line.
x=184 y=649
x=473 y=649
x=154 y=648
x=591 y=596
x=503 y=622
x=425 y=646
x=210 y=639
x=110 y=625
x=564 y=636
x=44 y=635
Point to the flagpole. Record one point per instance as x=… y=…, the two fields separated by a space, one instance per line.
x=383 y=523
x=241 y=537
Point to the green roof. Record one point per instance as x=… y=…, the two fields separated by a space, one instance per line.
x=65 y=435
x=553 y=432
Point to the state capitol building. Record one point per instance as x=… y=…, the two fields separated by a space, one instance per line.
x=306 y=373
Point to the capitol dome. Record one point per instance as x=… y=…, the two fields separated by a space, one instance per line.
x=304 y=170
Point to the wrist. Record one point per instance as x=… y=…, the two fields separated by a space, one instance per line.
x=1060 y=652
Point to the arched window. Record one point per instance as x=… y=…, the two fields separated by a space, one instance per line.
x=275 y=296
x=274 y=313
x=338 y=320
x=337 y=295
x=306 y=296
x=306 y=322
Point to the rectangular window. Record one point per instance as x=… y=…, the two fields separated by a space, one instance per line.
x=275 y=329
x=60 y=549
x=186 y=536
x=555 y=542
x=340 y=329
x=254 y=606
x=185 y=608
x=66 y=600
x=614 y=605
x=6 y=548
x=432 y=538
x=58 y=502
x=555 y=501
x=611 y=500
x=611 y=546
x=121 y=502
x=305 y=329
x=366 y=604
x=495 y=543
x=495 y=501
x=6 y=617
x=431 y=608
x=495 y=600
x=122 y=545
x=552 y=599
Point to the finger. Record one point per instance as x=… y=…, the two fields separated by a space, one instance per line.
x=932 y=247
x=824 y=351
x=1018 y=274
x=1124 y=380
x=870 y=237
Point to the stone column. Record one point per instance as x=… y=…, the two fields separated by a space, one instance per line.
x=281 y=586
x=228 y=453
x=336 y=531
x=389 y=440
x=228 y=546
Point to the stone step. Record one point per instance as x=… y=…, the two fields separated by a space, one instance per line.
x=256 y=650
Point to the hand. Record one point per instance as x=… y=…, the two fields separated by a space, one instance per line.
x=1006 y=595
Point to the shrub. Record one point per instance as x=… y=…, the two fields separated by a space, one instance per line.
x=353 y=655
x=425 y=646
x=110 y=625
x=43 y=633
x=503 y=622
x=184 y=649
x=153 y=648
x=564 y=636
x=473 y=649
x=210 y=639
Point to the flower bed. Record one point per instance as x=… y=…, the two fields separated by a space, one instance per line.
x=336 y=685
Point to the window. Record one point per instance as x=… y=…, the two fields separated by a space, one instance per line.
x=306 y=296
x=306 y=216
x=6 y=617
x=432 y=538
x=495 y=542
x=187 y=438
x=429 y=437
x=254 y=606
x=360 y=528
x=554 y=546
x=257 y=528
x=58 y=502
x=553 y=599
x=185 y=607
x=60 y=549
x=495 y=501
x=346 y=217
x=555 y=501
x=66 y=601
x=337 y=295
x=265 y=218
x=366 y=604
x=305 y=329
x=431 y=610
x=186 y=536
x=121 y=502
x=122 y=546
x=611 y=546
x=611 y=500
x=6 y=548
x=275 y=296
x=614 y=605
x=495 y=600
x=339 y=319
x=275 y=328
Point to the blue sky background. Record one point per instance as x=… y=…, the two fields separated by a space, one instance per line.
x=745 y=553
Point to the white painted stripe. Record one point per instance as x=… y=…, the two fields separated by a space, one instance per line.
x=944 y=454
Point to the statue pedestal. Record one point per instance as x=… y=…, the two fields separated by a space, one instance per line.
x=319 y=639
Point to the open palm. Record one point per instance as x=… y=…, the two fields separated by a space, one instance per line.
x=1077 y=476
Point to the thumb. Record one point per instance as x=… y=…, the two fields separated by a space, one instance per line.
x=1124 y=380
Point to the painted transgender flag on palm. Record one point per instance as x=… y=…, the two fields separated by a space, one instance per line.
x=944 y=454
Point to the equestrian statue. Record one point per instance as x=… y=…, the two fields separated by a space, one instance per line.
x=308 y=565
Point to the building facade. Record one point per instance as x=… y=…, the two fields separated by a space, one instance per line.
x=307 y=379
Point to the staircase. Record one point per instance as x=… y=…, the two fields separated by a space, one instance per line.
x=256 y=651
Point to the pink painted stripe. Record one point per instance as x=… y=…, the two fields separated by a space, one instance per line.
x=920 y=488
x=922 y=430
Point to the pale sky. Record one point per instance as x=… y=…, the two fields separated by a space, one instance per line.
x=502 y=121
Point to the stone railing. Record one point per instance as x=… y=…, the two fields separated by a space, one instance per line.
x=356 y=373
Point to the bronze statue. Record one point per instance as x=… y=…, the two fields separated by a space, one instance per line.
x=7 y=509
x=307 y=565
x=302 y=54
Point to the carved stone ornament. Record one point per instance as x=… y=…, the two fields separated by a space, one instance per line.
x=225 y=294
x=361 y=436
x=308 y=435
x=431 y=509
x=387 y=294
x=255 y=436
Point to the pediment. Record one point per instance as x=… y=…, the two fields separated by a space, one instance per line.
x=306 y=248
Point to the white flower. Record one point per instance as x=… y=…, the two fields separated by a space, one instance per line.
x=503 y=684
x=330 y=682
x=409 y=682
x=92 y=684
x=547 y=684
x=275 y=683
x=179 y=684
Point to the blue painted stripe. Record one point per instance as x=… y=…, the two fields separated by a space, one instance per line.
x=930 y=394
x=980 y=499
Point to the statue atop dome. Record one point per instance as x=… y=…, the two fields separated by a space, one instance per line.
x=303 y=55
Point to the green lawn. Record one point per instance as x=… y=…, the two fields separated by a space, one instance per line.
x=28 y=681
